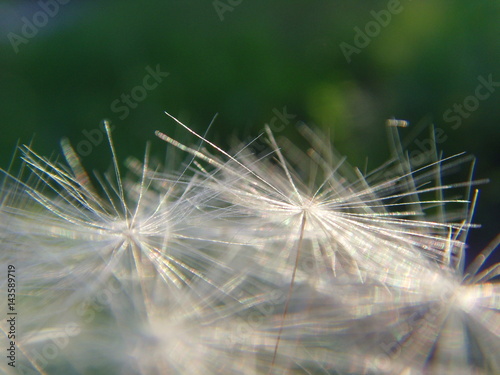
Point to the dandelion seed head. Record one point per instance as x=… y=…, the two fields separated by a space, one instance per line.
x=286 y=262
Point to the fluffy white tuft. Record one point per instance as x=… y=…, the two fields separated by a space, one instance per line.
x=289 y=261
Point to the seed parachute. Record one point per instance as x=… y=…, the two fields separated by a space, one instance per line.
x=280 y=261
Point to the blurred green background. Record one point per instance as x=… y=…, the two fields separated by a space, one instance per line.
x=344 y=66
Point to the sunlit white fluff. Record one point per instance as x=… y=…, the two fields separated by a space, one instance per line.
x=141 y=234
x=335 y=226
x=287 y=262
x=344 y=222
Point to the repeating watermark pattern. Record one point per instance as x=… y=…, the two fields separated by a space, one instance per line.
x=123 y=105
x=88 y=308
x=224 y=6
x=30 y=28
x=426 y=146
x=247 y=324
x=277 y=124
x=139 y=93
x=454 y=115
x=419 y=320
x=94 y=138
x=280 y=120
x=363 y=37
x=460 y=111
x=50 y=350
x=86 y=312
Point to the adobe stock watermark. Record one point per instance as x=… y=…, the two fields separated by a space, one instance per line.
x=247 y=324
x=455 y=115
x=31 y=26
x=223 y=6
x=419 y=320
x=460 y=111
x=277 y=124
x=363 y=37
x=139 y=93
x=93 y=138
x=427 y=147
x=123 y=105
x=58 y=341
